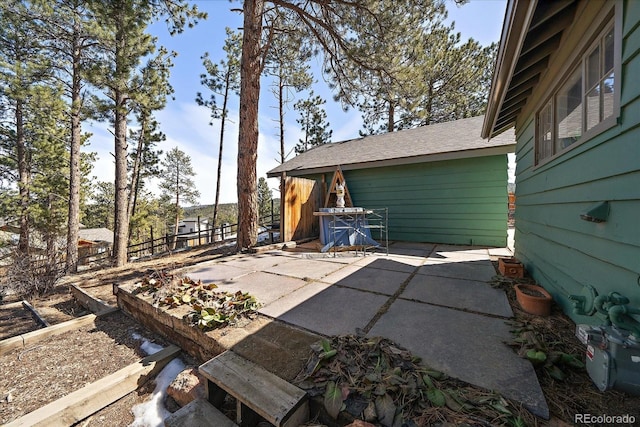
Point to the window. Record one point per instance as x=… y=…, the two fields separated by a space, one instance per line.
x=584 y=103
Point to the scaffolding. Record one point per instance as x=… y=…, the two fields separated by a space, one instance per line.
x=359 y=229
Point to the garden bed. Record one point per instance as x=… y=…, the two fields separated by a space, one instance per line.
x=33 y=376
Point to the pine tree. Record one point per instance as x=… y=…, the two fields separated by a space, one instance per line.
x=125 y=45
x=313 y=122
x=288 y=62
x=265 y=195
x=222 y=80
x=177 y=182
x=153 y=88
x=99 y=211
x=24 y=67
x=71 y=37
x=430 y=75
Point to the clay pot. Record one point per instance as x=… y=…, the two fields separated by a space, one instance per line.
x=511 y=267
x=539 y=303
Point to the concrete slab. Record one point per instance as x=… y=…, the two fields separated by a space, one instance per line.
x=461 y=248
x=411 y=248
x=214 y=272
x=463 y=345
x=459 y=255
x=292 y=300
x=404 y=264
x=481 y=270
x=458 y=293
x=304 y=268
x=198 y=413
x=266 y=287
x=340 y=257
x=326 y=309
x=386 y=282
x=500 y=252
x=256 y=262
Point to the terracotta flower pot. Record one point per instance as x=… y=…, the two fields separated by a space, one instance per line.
x=510 y=267
x=534 y=299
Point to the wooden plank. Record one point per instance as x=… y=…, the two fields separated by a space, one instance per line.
x=95 y=396
x=36 y=336
x=34 y=313
x=11 y=305
x=302 y=197
x=199 y=413
x=95 y=305
x=268 y=395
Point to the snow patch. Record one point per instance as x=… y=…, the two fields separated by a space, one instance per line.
x=152 y=413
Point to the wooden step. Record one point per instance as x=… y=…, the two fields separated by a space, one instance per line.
x=258 y=392
x=198 y=413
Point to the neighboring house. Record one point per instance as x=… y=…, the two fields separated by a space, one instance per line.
x=193 y=232
x=192 y=225
x=92 y=242
x=567 y=78
x=441 y=183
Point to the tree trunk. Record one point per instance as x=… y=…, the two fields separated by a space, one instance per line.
x=177 y=206
x=227 y=83
x=281 y=114
x=121 y=223
x=23 y=183
x=73 y=224
x=248 y=132
x=120 y=98
x=391 y=120
x=135 y=174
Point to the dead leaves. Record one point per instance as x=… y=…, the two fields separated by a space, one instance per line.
x=374 y=380
x=210 y=308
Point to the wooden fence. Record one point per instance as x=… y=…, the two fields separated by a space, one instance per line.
x=225 y=233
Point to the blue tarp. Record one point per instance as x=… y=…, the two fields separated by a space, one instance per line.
x=346 y=227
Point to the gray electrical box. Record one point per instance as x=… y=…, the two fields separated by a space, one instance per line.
x=612 y=358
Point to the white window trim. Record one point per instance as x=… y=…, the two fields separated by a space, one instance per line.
x=613 y=17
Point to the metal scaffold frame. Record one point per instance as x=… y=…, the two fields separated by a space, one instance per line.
x=367 y=229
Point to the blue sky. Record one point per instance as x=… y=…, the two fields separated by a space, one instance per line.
x=187 y=125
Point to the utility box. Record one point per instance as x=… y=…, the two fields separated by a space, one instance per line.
x=612 y=358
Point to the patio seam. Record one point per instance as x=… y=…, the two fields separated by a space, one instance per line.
x=393 y=298
x=464 y=310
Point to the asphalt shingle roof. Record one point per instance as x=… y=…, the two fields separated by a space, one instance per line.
x=450 y=140
x=96 y=234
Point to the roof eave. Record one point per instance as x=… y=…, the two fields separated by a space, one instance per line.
x=518 y=16
x=451 y=155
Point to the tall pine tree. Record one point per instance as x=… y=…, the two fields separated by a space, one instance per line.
x=313 y=122
x=125 y=45
x=24 y=67
x=177 y=182
x=222 y=80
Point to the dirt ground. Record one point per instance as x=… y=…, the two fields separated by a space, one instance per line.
x=68 y=362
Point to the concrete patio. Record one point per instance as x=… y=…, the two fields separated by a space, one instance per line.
x=432 y=299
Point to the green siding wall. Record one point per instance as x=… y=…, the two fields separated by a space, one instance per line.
x=560 y=250
x=457 y=201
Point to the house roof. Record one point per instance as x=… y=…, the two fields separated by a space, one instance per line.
x=203 y=220
x=531 y=33
x=96 y=234
x=443 y=141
